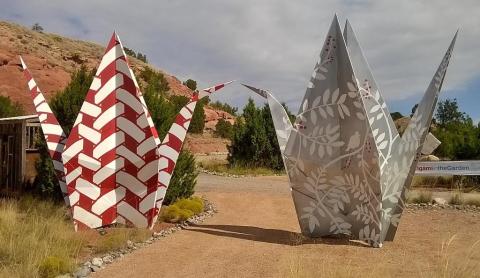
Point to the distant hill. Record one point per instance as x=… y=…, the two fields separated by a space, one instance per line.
x=52 y=59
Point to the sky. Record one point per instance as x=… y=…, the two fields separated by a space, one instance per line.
x=274 y=44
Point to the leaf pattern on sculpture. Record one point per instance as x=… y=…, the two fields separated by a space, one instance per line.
x=345 y=160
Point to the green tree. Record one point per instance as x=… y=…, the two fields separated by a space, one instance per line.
x=459 y=136
x=163 y=111
x=224 y=107
x=8 y=108
x=191 y=84
x=197 y=123
x=142 y=57
x=67 y=103
x=254 y=140
x=224 y=129
x=129 y=52
x=184 y=179
x=448 y=112
x=396 y=115
x=37 y=27
x=414 y=108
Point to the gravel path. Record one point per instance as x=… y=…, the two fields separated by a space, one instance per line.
x=255 y=234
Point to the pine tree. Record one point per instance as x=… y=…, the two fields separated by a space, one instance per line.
x=9 y=108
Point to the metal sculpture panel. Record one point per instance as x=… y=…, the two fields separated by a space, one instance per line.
x=53 y=132
x=113 y=168
x=111 y=155
x=348 y=166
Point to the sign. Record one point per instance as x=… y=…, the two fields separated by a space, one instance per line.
x=447 y=168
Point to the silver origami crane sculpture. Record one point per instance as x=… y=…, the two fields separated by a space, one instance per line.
x=348 y=167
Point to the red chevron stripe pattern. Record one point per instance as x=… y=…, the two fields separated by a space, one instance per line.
x=53 y=132
x=111 y=156
x=171 y=146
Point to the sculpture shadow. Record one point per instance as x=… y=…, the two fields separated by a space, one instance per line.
x=274 y=236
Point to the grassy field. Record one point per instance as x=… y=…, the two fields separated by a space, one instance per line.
x=37 y=238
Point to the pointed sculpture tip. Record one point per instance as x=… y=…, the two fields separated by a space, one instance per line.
x=260 y=92
x=335 y=21
x=247 y=86
x=23 y=63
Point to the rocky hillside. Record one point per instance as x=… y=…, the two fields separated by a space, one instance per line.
x=52 y=58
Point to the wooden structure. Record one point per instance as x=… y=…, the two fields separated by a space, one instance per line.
x=18 y=152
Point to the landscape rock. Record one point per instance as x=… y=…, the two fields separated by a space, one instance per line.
x=97 y=262
x=107 y=259
x=81 y=272
x=439 y=201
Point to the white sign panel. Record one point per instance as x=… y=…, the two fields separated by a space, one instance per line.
x=446 y=168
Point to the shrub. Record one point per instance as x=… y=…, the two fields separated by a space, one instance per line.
x=46 y=182
x=182 y=210
x=191 y=84
x=197 y=124
x=174 y=214
x=66 y=104
x=9 y=108
x=184 y=178
x=53 y=266
x=254 y=140
x=37 y=28
x=224 y=129
x=194 y=204
x=423 y=197
x=472 y=201
x=456 y=199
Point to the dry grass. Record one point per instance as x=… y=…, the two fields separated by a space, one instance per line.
x=456 y=198
x=433 y=181
x=457 y=263
x=117 y=238
x=472 y=201
x=221 y=167
x=36 y=240
x=421 y=197
x=450 y=262
x=463 y=183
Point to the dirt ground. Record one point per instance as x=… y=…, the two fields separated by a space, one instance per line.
x=255 y=234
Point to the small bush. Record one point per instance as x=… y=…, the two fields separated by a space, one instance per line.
x=472 y=201
x=174 y=214
x=184 y=178
x=423 y=197
x=193 y=204
x=182 y=209
x=456 y=199
x=53 y=266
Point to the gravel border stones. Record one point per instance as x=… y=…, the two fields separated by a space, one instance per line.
x=97 y=263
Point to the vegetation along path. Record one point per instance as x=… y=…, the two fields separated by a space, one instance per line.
x=256 y=234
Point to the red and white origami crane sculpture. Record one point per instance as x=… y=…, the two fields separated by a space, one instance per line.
x=113 y=168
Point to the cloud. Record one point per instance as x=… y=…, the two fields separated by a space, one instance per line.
x=274 y=44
